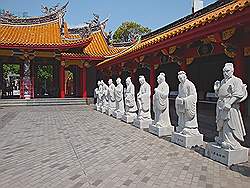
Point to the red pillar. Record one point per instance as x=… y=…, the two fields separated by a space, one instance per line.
x=239 y=68
x=62 y=81
x=83 y=81
x=21 y=81
x=152 y=78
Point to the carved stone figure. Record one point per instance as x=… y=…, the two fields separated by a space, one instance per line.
x=119 y=111
x=161 y=125
x=105 y=99
x=231 y=92
x=143 y=102
x=97 y=94
x=130 y=104
x=185 y=105
x=111 y=97
x=187 y=133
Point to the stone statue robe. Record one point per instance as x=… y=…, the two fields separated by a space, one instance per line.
x=96 y=93
x=161 y=105
x=100 y=95
x=119 y=98
x=130 y=104
x=186 y=111
x=111 y=96
x=105 y=95
x=143 y=100
x=229 y=122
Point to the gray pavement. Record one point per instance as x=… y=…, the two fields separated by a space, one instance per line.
x=75 y=146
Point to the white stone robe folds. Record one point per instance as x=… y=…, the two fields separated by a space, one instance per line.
x=111 y=97
x=130 y=104
x=119 y=98
x=143 y=100
x=229 y=122
x=161 y=105
x=186 y=110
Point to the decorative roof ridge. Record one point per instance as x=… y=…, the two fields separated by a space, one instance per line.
x=206 y=10
x=30 y=25
x=11 y=20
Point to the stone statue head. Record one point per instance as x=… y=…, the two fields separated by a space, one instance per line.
x=102 y=82
x=142 y=79
x=161 y=78
x=99 y=83
x=128 y=81
x=110 y=81
x=182 y=76
x=118 y=81
x=228 y=70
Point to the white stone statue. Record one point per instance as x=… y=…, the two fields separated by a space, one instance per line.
x=130 y=104
x=161 y=125
x=231 y=92
x=119 y=111
x=105 y=100
x=111 y=97
x=97 y=95
x=187 y=133
x=185 y=105
x=143 y=102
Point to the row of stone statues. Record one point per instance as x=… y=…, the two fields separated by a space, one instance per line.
x=121 y=103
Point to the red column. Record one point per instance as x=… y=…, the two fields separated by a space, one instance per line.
x=84 y=81
x=32 y=81
x=152 y=78
x=62 y=80
x=21 y=82
x=239 y=68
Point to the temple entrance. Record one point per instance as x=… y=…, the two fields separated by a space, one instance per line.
x=44 y=79
x=72 y=81
x=11 y=81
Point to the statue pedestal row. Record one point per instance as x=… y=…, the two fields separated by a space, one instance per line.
x=161 y=131
x=187 y=141
x=142 y=124
x=226 y=156
x=128 y=118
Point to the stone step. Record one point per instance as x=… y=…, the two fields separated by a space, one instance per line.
x=44 y=102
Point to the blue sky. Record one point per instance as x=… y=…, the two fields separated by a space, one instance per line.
x=151 y=13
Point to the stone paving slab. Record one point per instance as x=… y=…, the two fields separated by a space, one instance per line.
x=75 y=146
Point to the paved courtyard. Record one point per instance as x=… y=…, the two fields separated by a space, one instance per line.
x=75 y=146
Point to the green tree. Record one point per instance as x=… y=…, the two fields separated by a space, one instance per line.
x=45 y=72
x=128 y=31
x=7 y=68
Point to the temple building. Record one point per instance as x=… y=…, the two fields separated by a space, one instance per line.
x=35 y=42
x=199 y=43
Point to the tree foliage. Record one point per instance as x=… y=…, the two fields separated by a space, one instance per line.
x=10 y=68
x=128 y=31
x=45 y=72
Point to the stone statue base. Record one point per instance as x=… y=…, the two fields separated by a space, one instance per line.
x=129 y=118
x=226 y=156
x=161 y=131
x=187 y=141
x=117 y=114
x=142 y=124
x=109 y=111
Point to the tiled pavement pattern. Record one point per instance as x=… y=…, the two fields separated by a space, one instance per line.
x=75 y=146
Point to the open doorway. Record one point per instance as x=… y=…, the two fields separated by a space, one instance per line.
x=44 y=81
x=11 y=81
